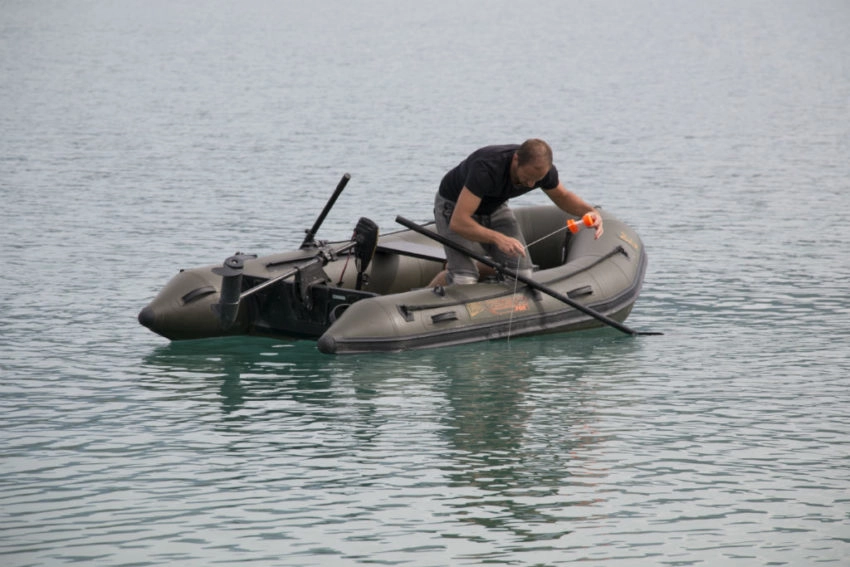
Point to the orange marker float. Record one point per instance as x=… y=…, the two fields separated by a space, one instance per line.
x=574 y=227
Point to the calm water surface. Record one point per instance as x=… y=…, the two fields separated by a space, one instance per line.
x=138 y=138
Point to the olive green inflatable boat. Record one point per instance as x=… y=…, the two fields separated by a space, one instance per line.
x=372 y=293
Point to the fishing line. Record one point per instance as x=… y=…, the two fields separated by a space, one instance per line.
x=516 y=281
x=513 y=300
x=545 y=237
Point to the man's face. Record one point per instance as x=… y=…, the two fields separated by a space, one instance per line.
x=529 y=174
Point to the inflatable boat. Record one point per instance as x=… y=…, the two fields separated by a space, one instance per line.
x=373 y=293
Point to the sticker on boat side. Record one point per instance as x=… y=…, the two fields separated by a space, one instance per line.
x=625 y=238
x=499 y=306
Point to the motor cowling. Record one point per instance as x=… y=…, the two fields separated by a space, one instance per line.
x=366 y=242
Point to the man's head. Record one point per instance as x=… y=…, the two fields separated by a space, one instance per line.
x=531 y=162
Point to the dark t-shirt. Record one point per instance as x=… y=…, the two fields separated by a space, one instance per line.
x=487 y=174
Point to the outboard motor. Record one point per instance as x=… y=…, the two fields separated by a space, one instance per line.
x=231 y=290
x=366 y=241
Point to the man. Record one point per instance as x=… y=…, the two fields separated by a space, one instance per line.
x=471 y=206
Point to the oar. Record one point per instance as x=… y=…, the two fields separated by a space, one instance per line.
x=308 y=240
x=527 y=281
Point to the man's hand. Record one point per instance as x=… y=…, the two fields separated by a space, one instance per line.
x=597 y=223
x=571 y=203
x=509 y=246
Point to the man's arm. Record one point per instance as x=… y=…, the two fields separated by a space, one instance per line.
x=571 y=203
x=466 y=226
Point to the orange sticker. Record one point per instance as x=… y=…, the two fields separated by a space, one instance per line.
x=498 y=306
